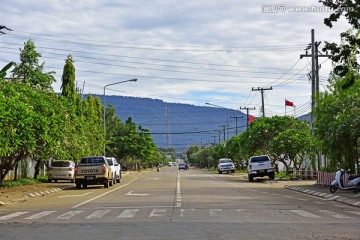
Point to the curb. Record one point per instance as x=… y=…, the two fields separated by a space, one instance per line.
x=326 y=196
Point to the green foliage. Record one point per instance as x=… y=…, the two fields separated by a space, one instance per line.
x=337 y=125
x=22 y=181
x=68 y=80
x=343 y=54
x=5 y=69
x=30 y=71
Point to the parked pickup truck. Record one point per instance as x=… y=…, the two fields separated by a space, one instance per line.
x=93 y=171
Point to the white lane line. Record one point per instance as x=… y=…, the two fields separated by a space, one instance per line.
x=333 y=214
x=187 y=212
x=105 y=193
x=158 y=212
x=12 y=215
x=98 y=214
x=239 y=210
x=178 y=192
x=128 y=213
x=355 y=212
x=70 y=214
x=215 y=212
x=320 y=203
x=80 y=195
x=40 y=215
x=305 y=213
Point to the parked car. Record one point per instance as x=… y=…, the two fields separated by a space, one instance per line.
x=116 y=169
x=226 y=165
x=260 y=166
x=94 y=170
x=61 y=170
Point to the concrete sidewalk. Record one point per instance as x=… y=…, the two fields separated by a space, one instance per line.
x=350 y=197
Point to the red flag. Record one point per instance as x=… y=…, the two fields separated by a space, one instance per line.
x=288 y=103
x=251 y=119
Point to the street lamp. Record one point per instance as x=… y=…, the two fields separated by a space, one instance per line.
x=130 y=80
x=227 y=117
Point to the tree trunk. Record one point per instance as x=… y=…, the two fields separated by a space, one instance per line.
x=16 y=172
x=37 y=169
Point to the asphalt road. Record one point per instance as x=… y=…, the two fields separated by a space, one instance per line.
x=174 y=204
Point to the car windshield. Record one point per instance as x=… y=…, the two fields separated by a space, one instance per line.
x=225 y=161
x=93 y=160
x=259 y=159
x=60 y=164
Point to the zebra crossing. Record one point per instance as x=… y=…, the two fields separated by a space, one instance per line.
x=164 y=212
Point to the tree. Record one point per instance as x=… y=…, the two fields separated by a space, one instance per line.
x=341 y=53
x=68 y=80
x=5 y=69
x=30 y=71
x=337 y=125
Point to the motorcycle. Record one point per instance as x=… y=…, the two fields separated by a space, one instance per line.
x=353 y=181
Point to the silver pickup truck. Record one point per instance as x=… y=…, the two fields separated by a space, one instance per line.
x=93 y=171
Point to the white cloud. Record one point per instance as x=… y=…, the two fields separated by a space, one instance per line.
x=185 y=38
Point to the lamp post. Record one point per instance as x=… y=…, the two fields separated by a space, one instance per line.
x=130 y=80
x=227 y=117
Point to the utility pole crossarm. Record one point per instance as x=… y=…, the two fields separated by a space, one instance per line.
x=262 y=96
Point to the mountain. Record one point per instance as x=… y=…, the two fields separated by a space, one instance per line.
x=179 y=125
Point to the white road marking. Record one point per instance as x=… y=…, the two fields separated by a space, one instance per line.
x=80 y=195
x=137 y=194
x=239 y=210
x=215 y=212
x=128 y=213
x=355 y=212
x=70 y=214
x=187 y=212
x=320 y=203
x=98 y=214
x=305 y=213
x=12 y=215
x=334 y=214
x=40 y=215
x=105 y=193
x=178 y=192
x=158 y=212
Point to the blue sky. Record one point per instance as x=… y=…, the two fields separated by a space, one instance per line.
x=180 y=51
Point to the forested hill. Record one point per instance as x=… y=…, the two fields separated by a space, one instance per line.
x=179 y=125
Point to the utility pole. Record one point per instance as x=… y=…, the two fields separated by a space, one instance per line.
x=262 y=96
x=247 y=114
x=223 y=126
x=219 y=131
x=315 y=54
x=214 y=140
x=236 y=123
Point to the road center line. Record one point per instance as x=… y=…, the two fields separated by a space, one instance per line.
x=105 y=193
x=178 y=192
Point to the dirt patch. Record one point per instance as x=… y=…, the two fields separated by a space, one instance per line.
x=13 y=195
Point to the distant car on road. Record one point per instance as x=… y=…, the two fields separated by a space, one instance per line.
x=226 y=165
x=182 y=166
x=61 y=170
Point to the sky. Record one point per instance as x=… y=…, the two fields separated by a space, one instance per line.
x=194 y=52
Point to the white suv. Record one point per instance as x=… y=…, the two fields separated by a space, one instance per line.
x=226 y=165
x=260 y=166
x=116 y=169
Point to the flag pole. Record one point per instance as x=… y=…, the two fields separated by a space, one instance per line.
x=285 y=106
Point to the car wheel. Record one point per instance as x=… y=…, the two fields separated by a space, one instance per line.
x=49 y=180
x=106 y=184
x=55 y=180
x=119 y=179
x=251 y=178
x=78 y=185
x=220 y=172
x=84 y=185
x=272 y=176
x=114 y=180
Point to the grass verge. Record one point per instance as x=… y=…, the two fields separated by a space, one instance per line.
x=22 y=181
